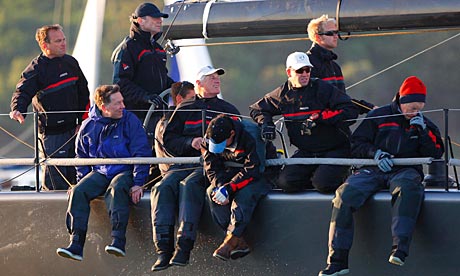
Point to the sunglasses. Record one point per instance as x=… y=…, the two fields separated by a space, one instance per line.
x=303 y=69
x=329 y=33
x=182 y=90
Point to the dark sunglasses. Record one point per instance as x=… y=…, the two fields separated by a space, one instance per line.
x=182 y=91
x=329 y=33
x=303 y=69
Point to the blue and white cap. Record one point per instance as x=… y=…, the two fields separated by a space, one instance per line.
x=219 y=130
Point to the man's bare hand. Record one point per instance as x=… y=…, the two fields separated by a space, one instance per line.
x=196 y=143
x=16 y=115
x=136 y=193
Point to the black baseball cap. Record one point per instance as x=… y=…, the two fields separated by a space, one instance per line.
x=149 y=9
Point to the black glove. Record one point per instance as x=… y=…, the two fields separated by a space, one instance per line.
x=154 y=99
x=307 y=125
x=268 y=131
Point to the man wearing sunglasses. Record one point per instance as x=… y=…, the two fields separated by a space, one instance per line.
x=316 y=115
x=323 y=33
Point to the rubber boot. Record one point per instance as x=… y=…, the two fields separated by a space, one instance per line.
x=164 y=246
x=182 y=254
x=75 y=249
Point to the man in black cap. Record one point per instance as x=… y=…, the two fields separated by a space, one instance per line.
x=140 y=66
x=234 y=191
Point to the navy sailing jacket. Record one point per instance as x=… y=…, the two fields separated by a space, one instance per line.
x=394 y=134
x=242 y=151
x=102 y=137
x=56 y=84
x=140 y=69
x=187 y=123
x=297 y=104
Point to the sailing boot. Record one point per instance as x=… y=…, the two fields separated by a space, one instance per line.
x=117 y=247
x=164 y=246
x=75 y=249
x=224 y=250
x=182 y=254
x=241 y=249
x=337 y=263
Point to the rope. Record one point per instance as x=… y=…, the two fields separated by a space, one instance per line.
x=402 y=61
x=306 y=38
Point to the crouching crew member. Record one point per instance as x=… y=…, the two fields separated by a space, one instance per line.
x=234 y=191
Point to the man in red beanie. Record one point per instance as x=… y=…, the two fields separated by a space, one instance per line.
x=396 y=130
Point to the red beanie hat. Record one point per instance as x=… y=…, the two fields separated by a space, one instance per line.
x=412 y=90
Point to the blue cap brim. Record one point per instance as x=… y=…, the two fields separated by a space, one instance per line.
x=217 y=147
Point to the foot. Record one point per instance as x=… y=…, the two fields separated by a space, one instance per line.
x=397 y=258
x=180 y=258
x=73 y=252
x=162 y=262
x=334 y=270
x=223 y=252
x=113 y=250
x=117 y=247
x=241 y=250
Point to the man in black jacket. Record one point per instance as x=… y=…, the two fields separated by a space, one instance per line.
x=183 y=187
x=140 y=68
x=316 y=115
x=324 y=34
x=54 y=83
x=396 y=130
x=235 y=190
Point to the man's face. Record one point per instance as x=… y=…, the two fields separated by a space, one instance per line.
x=210 y=85
x=299 y=78
x=410 y=110
x=115 y=108
x=56 y=47
x=151 y=24
x=327 y=41
x=190 y=94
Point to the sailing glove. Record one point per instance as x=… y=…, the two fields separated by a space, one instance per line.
x=418 y=122
x=268 y=131
x=383 y=160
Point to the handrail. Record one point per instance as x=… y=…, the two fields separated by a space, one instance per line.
x=196 y=160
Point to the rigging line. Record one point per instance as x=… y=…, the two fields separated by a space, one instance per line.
x=402 y=61
x=16 y=138
x=306 y=38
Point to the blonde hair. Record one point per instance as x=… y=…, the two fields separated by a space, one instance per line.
x=316 y=25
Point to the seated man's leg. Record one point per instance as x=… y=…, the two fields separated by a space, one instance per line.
x=191 y=200
x=91 y=186
x=407 y=194
x=117 y=198
x=349 y=197
x=163 y=200
x=242 y=207
x=220 y=213
x=296 y=178
x=327 y=178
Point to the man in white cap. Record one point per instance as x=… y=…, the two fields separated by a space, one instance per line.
x=182 y=138
x=316 y=115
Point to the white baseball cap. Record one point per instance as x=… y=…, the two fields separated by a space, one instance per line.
x=298 y=60
x=209 y=70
